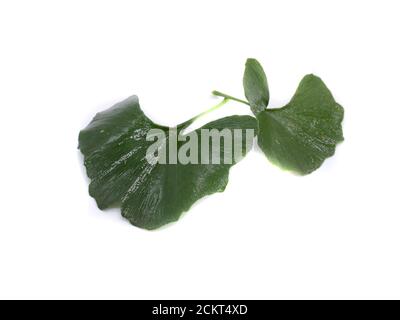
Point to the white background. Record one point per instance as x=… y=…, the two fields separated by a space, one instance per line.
x=332 y=234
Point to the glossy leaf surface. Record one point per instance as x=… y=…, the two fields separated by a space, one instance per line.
x=301 y=135
x=150 y=194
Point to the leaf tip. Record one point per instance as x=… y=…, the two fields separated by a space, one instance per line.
x=252 y=61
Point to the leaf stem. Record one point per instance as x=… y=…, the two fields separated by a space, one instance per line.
x=190 y=121
x=226 y=96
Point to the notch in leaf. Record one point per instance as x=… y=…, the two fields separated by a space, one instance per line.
x=151 y=194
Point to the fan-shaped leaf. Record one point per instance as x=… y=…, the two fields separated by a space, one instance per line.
x=301 y=135
x=151 y=194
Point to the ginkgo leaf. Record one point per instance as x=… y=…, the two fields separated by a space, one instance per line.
x=151 y=194
x=301 y=135
x=255 y=86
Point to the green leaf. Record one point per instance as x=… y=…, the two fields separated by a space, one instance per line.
x=255 y=86
x=301 y=135
x=150 y=194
